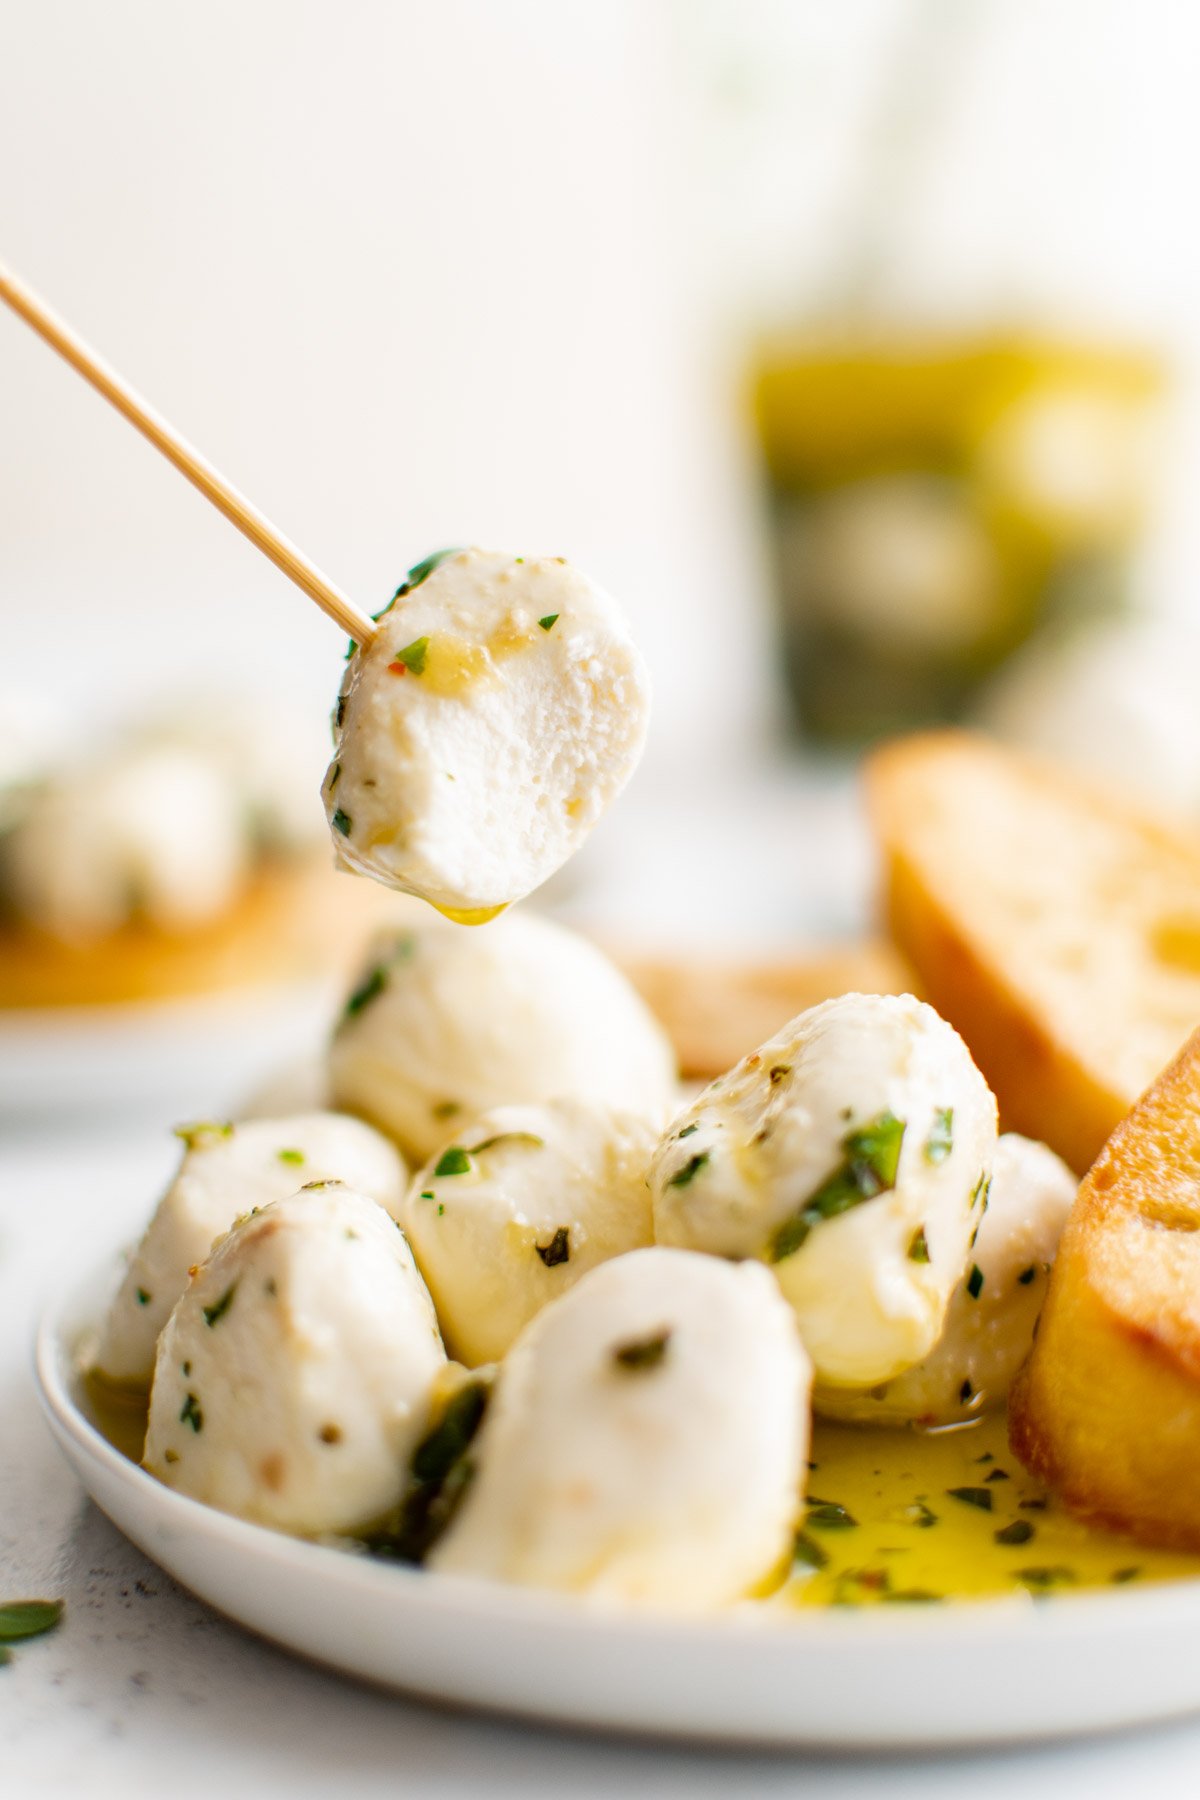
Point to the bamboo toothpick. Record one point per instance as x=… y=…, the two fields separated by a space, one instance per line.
x=224 y=496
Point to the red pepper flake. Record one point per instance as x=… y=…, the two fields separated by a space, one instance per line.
x=397 y=668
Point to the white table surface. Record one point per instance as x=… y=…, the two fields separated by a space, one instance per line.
x=143 y=1689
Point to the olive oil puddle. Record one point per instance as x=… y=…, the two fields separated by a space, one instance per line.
x=898 y=1517
x=893 y=1518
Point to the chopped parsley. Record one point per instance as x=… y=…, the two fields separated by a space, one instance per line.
x=549 y=622
x=691 y=1168
x=872 y=1155
x=454 y=1161
x=918 y=1249
x=975 y=1281
x=1120 y=1576
x=22 y=1619
x=192 y=1415
x=1019 y=1532
x=375 y=980
x=973 y=1496
x=342 y=822
x=940 y=1141
x=778 y=1072
x=807 y=1552
x=1041 y=1579
x=220 y=1307
x=334 y=776
x=143 y=1298
x=1027 y=1275
x=441 y=1471
x=445 y=1109
x=417 y=574
x=295 y=1157
x=558 y=1250
x=339 y=713
x=412 y=657
x=428 y=1194
x=640 y=1354
x=687 y=1131
x=827 y=1515
x=981 y=1190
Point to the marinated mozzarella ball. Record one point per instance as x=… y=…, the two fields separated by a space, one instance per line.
x=646 y=1439
x=851 y=1153
x=228 y=1170
x=990 y=1322
x=511 y=1214
x=444 y=1024
x=294 y=1377
x=154 y=832
x=499 y=708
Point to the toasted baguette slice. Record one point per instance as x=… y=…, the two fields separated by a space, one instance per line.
x=1055 y=925
x=1107 y=1407
x=716 y=1011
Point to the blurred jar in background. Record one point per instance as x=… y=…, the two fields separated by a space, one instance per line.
x=937 y=503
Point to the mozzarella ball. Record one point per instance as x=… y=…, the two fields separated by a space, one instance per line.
x=155 y=833
x=228 y=1170
x=518 y=1208
x=294 y=1377
x=443 y=1024
x=646 y=1439
x=499 y=708
x=991 y=1318
x=851 y=1153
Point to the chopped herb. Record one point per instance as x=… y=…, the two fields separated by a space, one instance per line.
x=965 y=1391
x=192 y=1415
x=441 y=1209
x=1120 y=1576
x=981 y=1190
x=351 y=647
x=416 y=575
x=204 y=1133
x=940 y=1141
x=295 y=1157
x=342 y=822
x=441 y=1472
x=454 y=1161
x=1027 y=1275
x=368 y=989
x=998 y=1475
x=315 y=1187
x=143 y=1298
x=334 y=774
x=987 y=1457
x=21 y=1619
x=975 y=1281
x=807 y=1552
x=827 y=1515
x=428 y=1194
x=911 y=1597
x=1033 y=1505
x=973 y=1496
x=412 y=657
x=688 y=1130
x=920 y=1515
x=1045 y=1578
x=339 y=713
x=445 y=1109
x=220 y=1307
x=918 y=1249
x=691 y=1168
x=508 y=1137
x=778 y=1072
x=558 y=1250
x=550 y=620
x=872 y=1155
x=642 y=1353
x=1019 y=1532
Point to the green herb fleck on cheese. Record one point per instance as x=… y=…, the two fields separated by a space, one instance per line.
x=342 y=822
x=192 y=1415
x=549 y=622
x=220 y=1307
x=918 y=1248
x=872 y=1156
x=558 y=1250
x=940 y=1141
x=975 y=1281
x=691 y=1168
x=454 y=1161
x=640 y=1354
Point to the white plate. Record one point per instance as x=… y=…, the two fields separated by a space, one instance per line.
x=197 y=1055
x=972 y=1672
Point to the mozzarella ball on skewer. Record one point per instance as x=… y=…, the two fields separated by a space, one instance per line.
x=294 y=1377
x=443 y=1024
x=646 y=1439
x=518 y=1208
x=499 y=708
x=852 y=1153
x=991 y=1318
x=228 y=1170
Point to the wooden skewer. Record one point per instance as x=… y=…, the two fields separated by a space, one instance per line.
x=224 y=496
